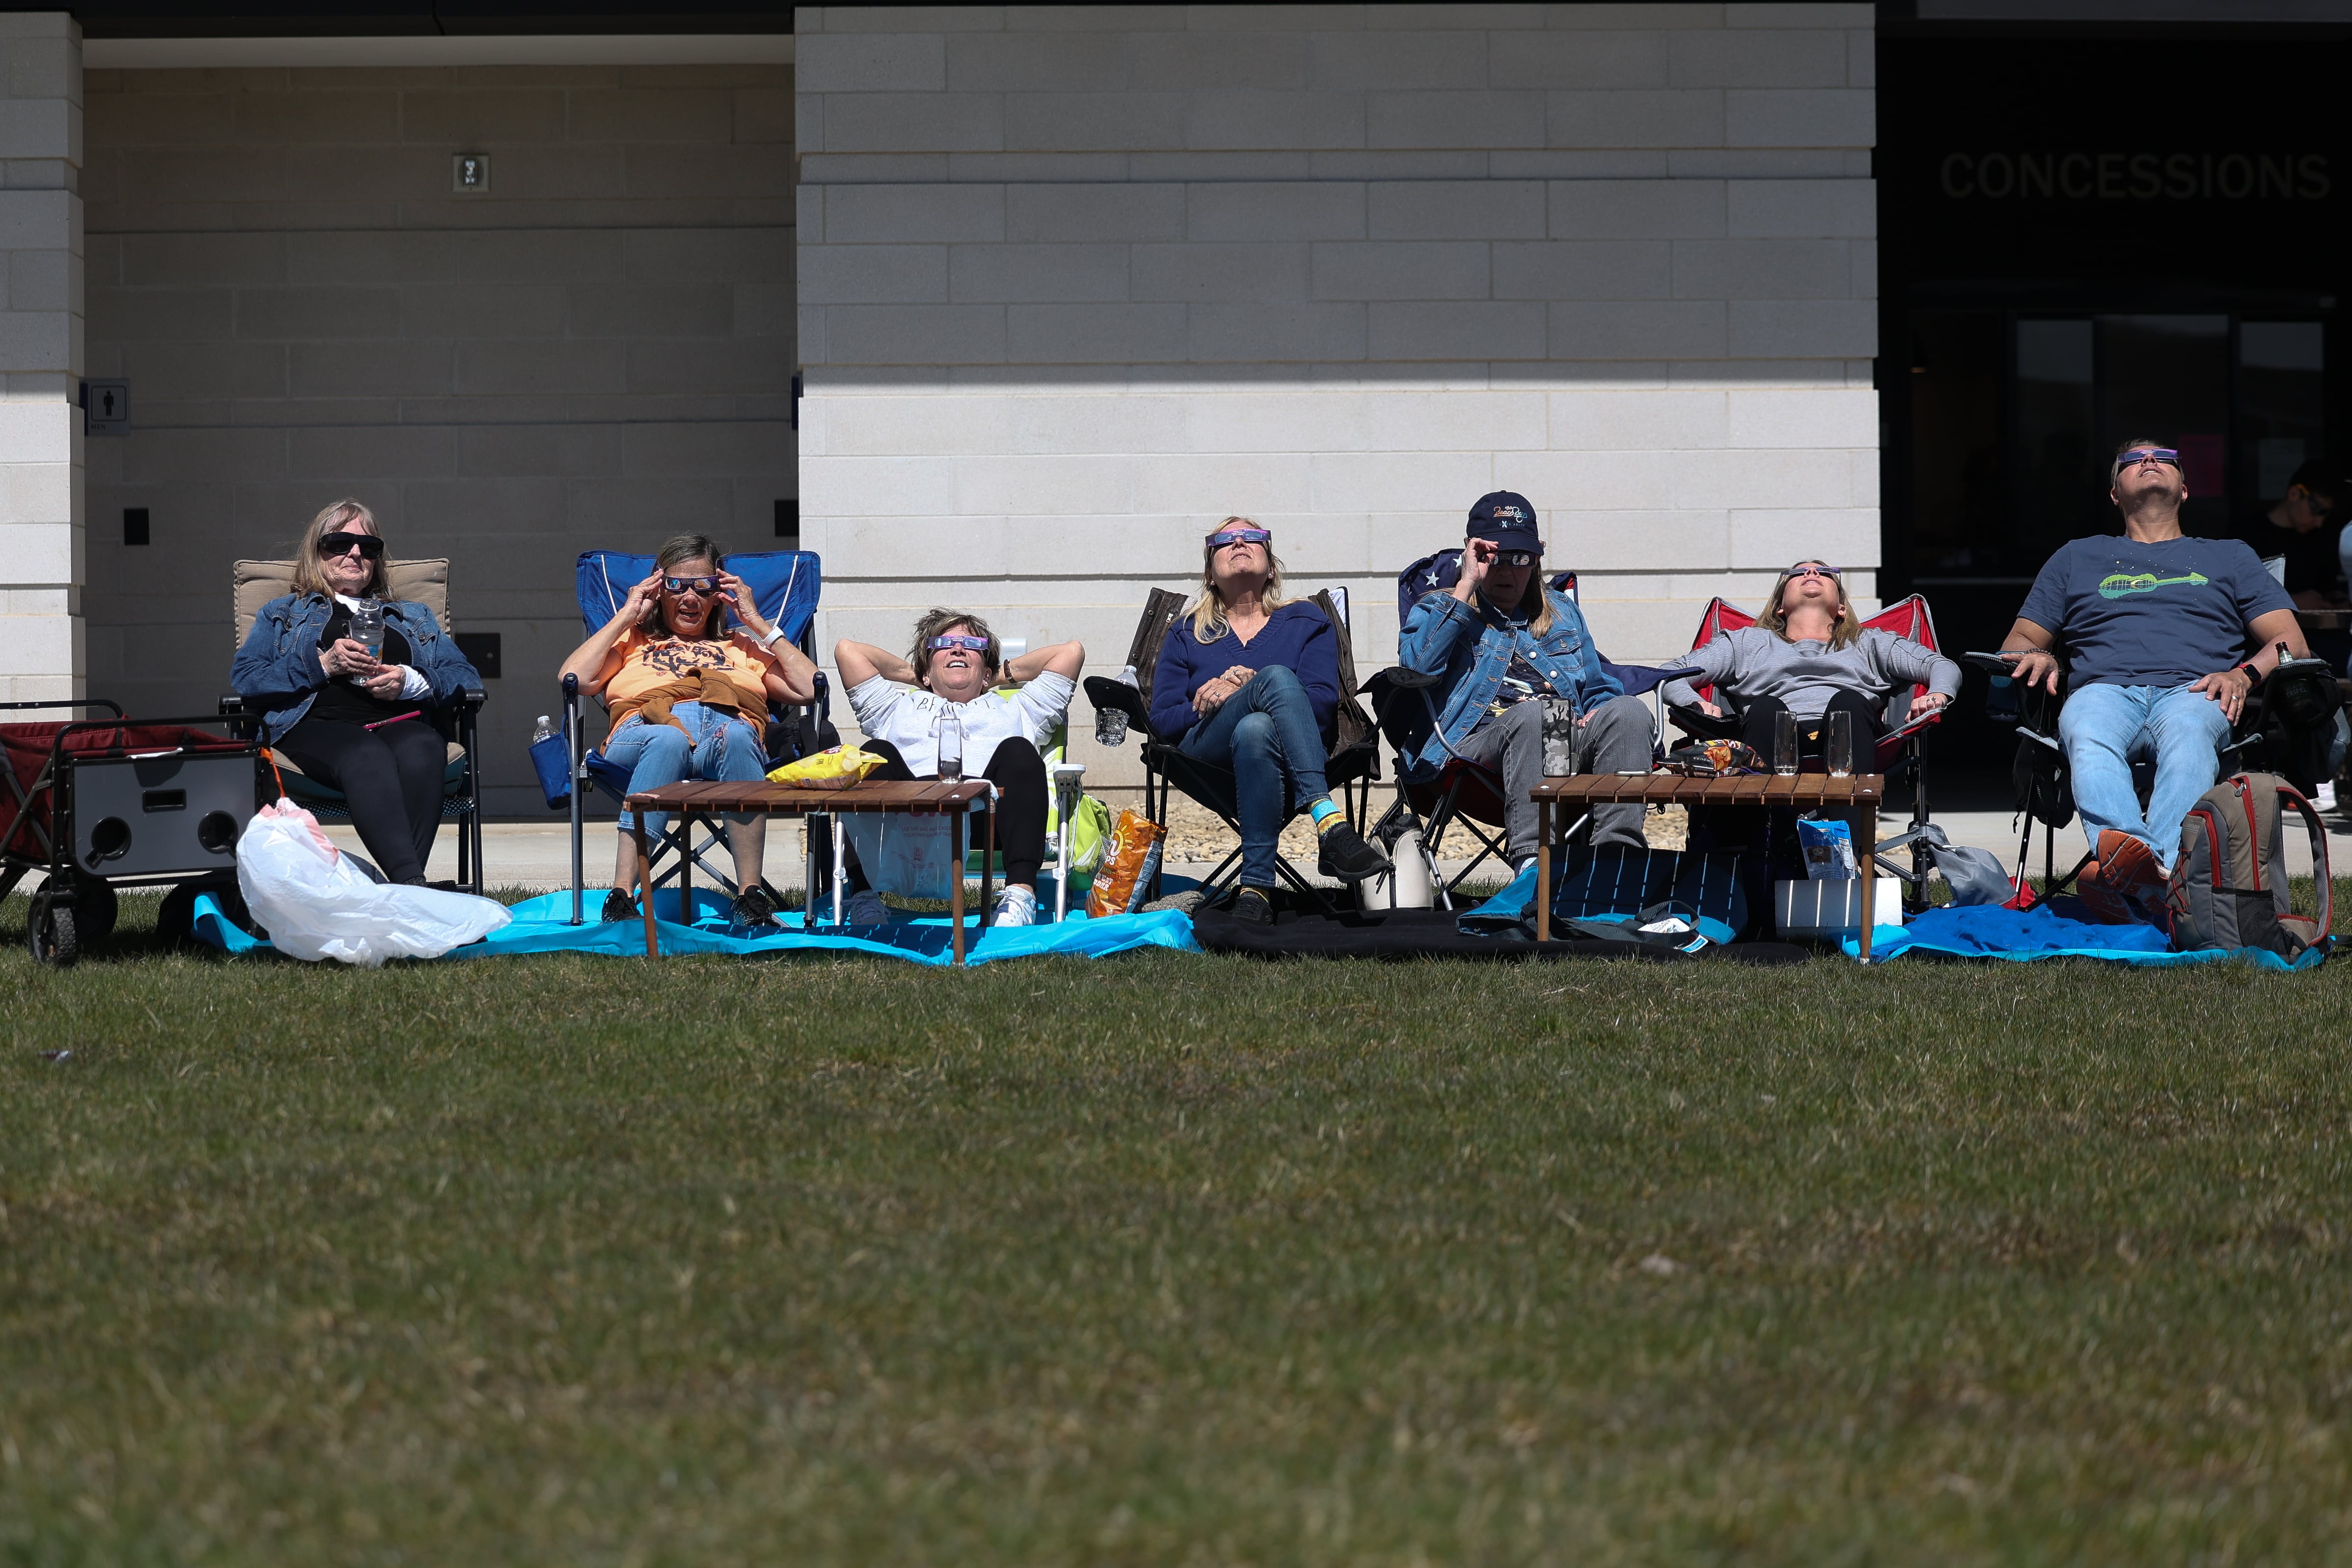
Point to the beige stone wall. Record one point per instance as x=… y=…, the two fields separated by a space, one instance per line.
x=596 y=352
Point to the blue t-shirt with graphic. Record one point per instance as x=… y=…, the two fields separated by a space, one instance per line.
x=2160 y=615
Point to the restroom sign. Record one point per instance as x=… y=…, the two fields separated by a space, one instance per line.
x=106 y=408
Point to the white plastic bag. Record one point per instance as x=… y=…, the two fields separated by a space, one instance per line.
x=910 y=856
x=315 y=904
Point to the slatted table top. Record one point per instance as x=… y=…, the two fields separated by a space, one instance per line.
x=1735 y=789
x=790 y=800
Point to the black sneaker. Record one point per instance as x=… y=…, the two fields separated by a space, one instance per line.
x=752 y=907
x=1252 y=906
x=619 y=905
x=1346 y=855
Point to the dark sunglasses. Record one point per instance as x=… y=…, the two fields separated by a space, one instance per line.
x=2139 y=455
x=340 y=543
x=705 y=586
x=1515 y=557
x=1241 y=536
x=1813 y=570
x=977 y=644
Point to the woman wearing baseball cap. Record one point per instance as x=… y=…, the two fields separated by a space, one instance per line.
x=1497 y=640
x=1250 y=682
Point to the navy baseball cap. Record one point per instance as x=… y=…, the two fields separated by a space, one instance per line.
x=1507 y=518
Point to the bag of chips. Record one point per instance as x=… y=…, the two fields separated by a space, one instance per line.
x=1124 y=875
x=1707 y=758
x=835 y=767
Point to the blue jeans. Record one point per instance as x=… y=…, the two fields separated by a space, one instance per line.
x=2105 y=728
x=721 y=747
x=1266 y=734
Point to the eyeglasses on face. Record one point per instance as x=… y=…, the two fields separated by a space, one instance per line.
x=705 y=586
x=976 y=644
x=1516 y=558
x=340 y=543
x=1224 y=537
x=2139 y=455
x=1814 y=568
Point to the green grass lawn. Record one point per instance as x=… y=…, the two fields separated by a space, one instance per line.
x=1169 y=1258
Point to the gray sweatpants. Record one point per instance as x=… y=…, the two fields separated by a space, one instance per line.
x=1620 y=735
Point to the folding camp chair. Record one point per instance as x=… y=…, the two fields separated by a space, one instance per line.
x=785 y=585
x=1351 y=766
x=2284 y=729
x=1461 y=792
x=255 y=584
x=1899 y=748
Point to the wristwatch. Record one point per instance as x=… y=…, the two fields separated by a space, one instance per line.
x=2253 y=676
x=769 y=640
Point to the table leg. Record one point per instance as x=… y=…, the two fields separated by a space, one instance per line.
x=645 y=888
x=1862 y=821
x=1543 y=871
x=958 y=840
x=808 y=870
x=987 y=848
x=686 y=868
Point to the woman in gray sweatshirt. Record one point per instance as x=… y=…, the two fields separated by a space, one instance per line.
x=1808 y=655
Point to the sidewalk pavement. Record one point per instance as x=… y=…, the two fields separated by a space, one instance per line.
x=537 y=856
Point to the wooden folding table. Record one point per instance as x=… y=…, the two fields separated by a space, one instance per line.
x=1854 y=797
x=712 y=801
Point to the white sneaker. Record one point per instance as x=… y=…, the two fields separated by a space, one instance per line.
x=2323 y=800
x=1016 y=905
x=866 y=908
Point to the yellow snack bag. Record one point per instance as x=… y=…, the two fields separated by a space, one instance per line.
x=835 y=767
x=1125 y=874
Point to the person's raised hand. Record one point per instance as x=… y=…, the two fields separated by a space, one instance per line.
x=738 y=596
x=2229 y=688
x=1477 y=560
x=2036 y=667
x=644 y=599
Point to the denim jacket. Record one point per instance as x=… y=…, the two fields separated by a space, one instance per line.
x=277 y=671
x=1470 y=654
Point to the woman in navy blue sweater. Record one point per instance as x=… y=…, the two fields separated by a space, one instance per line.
x=1248 y=682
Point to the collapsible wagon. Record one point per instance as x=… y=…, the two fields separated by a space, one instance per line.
x=103 y=803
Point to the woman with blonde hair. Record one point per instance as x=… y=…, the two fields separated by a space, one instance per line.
x=355 y=718
x=1808 y=654
x=1250 y=681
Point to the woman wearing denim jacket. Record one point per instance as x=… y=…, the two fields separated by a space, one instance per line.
x=357 y=722
x=1496 y=640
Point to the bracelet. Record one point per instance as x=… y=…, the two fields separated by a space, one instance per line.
x=769 y=640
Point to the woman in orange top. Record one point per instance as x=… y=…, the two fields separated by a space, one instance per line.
x=688 y=698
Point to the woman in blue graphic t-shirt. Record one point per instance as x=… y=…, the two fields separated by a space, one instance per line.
x=2166 y=635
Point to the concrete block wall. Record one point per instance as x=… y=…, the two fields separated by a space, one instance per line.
x=42 y=654
x=1076 y=282
x=597 y=352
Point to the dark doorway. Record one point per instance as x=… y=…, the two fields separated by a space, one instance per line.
x=2066 y=263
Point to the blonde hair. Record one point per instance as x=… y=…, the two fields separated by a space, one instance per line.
x=1845 y=629
x=1535 y=604
x=1209 y=611
x=308 y=578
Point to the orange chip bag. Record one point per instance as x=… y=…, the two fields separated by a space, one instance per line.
x=1124 y=877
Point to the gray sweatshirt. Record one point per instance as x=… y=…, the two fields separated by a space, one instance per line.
x=1753 y=663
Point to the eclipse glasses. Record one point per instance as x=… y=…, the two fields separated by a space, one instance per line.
x=1224 y=537
x=951 y=640
x=2139 y=455
x=1810 y=569
x=706 y=586
x=340 y=543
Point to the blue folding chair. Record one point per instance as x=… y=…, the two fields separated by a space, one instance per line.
x=785 y=585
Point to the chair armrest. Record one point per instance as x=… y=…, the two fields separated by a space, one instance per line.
x=1705 y=725
x=1991 y=663
x=232 y=707
x=1397 y=678
x=1105 y=693
x=471 y=698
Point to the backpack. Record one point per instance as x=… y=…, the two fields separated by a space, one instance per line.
x=2229 y=888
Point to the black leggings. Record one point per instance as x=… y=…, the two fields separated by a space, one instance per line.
x=1758 y=718
x=1019 y=775
x=391 y=778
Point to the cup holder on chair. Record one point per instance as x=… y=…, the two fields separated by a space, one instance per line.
x=110 y=840
x=217 y=832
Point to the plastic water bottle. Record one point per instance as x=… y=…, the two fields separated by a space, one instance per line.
x=546 y=730
x=1111 y=722
x=951 y=739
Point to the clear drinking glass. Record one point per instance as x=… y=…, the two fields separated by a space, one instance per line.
x=1837 y=744
x=1784 y=742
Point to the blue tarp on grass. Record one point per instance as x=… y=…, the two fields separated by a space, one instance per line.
x=1990 y=931
x=541 y=927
